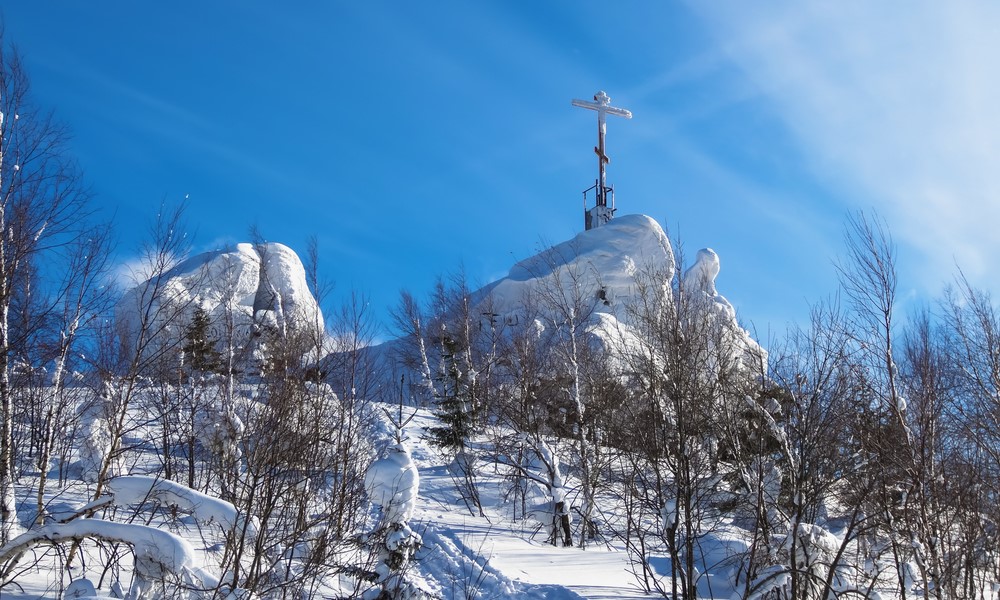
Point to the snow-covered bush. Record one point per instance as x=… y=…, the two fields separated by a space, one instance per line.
x=393 y=483
x=95 y=436
x=165 y=565
x=807 y=553
x=219 y=430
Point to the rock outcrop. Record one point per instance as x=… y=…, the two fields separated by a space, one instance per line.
x=243 y=291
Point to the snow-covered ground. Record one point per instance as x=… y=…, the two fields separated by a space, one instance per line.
x=491 y=557
x=463 y=555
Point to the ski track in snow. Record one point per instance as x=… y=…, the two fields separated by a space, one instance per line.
x=497 y=558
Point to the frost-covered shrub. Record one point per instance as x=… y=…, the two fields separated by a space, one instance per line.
x=95 y=437
x=219 y=429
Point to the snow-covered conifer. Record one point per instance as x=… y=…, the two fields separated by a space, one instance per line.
x=392 y=483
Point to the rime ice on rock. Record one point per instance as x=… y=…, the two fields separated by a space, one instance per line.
x=701 y=275
x=699 y=283
x=705 y=302
x=604 y=260
x=603 y=265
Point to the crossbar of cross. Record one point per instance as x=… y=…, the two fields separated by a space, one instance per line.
x=602 y=104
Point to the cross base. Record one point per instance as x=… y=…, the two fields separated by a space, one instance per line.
x=597 y=216
x=601 y=213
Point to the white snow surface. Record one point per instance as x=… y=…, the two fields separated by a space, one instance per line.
x=465 y=555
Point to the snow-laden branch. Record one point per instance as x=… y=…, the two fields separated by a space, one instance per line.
x=158 y=554
x=134 y=490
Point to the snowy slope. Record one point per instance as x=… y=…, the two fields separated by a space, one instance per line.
x=466 y=555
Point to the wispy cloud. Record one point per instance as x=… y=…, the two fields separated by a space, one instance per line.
x=892 y=103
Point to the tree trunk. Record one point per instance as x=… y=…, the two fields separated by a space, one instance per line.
x=8 y=509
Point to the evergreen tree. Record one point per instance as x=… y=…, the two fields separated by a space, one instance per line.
x=454 y=400
x=199 y=349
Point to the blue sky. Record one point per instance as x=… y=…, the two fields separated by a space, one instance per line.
x=415 y=138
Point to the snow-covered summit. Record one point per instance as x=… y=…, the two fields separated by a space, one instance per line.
x=602 y=261
x=602 y=270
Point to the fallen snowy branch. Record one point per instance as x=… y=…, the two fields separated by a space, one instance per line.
x=89 y=509
x=158 y=554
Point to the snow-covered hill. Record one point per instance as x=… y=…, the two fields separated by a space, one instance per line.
x=482 y=522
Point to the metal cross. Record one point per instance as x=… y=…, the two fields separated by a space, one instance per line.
x=602 y=104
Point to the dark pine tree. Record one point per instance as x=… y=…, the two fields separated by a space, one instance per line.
x=199 y=348
x=454 y=401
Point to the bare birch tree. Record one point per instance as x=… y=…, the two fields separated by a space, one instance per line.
x=43 y=206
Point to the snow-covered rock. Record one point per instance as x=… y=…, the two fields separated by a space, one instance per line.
x=701 y=275
x=601 y=269
x=240 y=289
